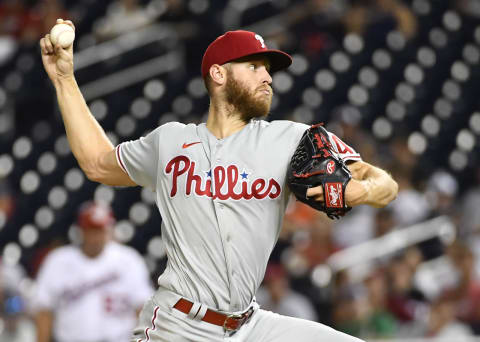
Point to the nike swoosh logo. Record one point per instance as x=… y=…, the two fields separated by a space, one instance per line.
x=185 y=145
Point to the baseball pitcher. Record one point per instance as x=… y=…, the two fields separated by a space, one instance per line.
x=221 y=189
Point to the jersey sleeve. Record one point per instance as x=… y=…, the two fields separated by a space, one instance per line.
x=139 y=158
x=344 y=151
x=298 y=130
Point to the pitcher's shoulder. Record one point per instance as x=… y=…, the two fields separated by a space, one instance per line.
x=278 y=125
x=171 y=129
x=173 y=126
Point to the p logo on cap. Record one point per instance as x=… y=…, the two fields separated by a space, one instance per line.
x=237 y=44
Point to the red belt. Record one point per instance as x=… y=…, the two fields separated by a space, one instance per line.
x=228 y=322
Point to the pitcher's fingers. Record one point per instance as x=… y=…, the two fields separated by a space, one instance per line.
x=312 y=192
x=69 y=49
x=48 y=44
x=61 y=52
x=42 y=46
x=69 y=22
x=58 y=50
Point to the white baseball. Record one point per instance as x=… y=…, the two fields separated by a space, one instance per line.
x=62 y=34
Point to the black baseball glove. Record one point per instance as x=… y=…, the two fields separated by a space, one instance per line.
x=315 y=162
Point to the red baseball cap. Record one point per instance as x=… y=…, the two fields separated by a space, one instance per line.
x=96 y=215
x=237 y=44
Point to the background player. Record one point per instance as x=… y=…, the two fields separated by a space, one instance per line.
x=91 y=292
x=220 y=189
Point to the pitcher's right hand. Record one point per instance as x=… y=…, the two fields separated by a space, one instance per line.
x=57 y=61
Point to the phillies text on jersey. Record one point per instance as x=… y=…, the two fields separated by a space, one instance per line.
x=221 y=182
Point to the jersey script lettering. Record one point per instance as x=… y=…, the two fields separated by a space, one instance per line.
x=221 y=177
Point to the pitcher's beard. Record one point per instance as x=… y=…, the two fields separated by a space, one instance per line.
x=246 y=102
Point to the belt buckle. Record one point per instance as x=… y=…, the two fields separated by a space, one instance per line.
x=227 y=325
x=240 y=318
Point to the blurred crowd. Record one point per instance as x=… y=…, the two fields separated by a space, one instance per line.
x=23 y=23
x=427 y=289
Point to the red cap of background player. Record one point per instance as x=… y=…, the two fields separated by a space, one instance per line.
x=237 y=44
x=96 y=215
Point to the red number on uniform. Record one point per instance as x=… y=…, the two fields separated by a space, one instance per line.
x=341 y=146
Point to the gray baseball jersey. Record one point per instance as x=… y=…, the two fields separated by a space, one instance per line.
x=222 y=203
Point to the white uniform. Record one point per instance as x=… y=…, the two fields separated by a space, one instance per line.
x=93 y=299
x=222 y=203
